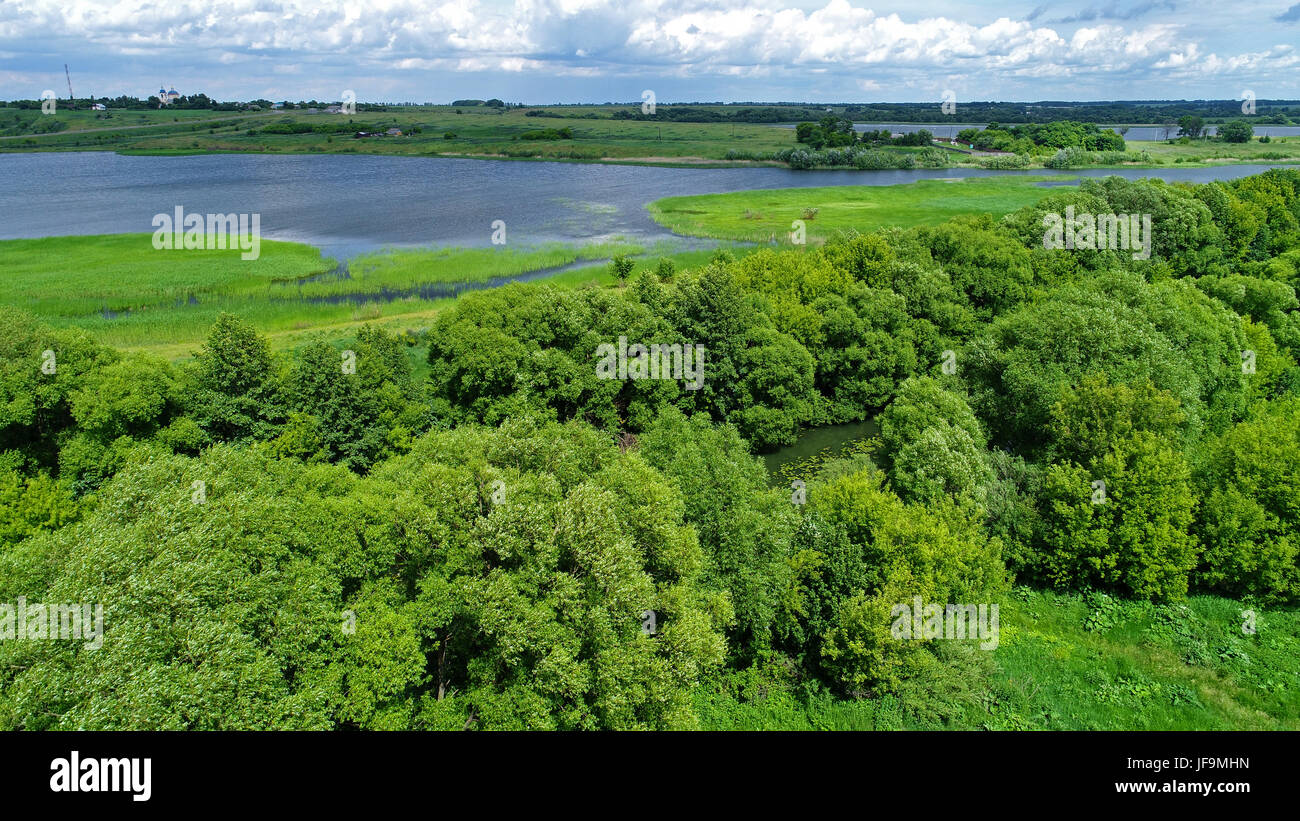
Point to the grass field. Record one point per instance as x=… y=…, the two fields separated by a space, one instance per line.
x=763 y=216
x=1208 y=152
x=1070 y=662
x=478 y=132
x=129 y=295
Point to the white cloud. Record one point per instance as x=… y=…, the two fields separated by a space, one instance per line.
x=615 y=38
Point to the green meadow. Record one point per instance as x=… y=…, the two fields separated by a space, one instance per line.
x=766 y=216
x=129 y=295
x=427 y=131
x=1211 y=152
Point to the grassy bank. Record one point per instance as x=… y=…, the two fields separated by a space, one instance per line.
x=765 y=216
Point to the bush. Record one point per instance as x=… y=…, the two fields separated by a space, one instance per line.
x=800 y=160
x=933 y=158
x=620 y=266
x=565 y=133
x=1236 y=131
x=882 y=161
x=1130 y=535
x=1005 y=163
x=1071 y=157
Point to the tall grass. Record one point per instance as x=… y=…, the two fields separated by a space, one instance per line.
x=129 y=295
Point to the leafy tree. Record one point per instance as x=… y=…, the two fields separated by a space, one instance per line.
x=424 y=596
x=1250 y=519
x=933 y=444
x=988 y=265
x=1190 y=125
x=1128 y=535
x=905 y=551
x=36 y=388
x=1237 y=131
x=235 y=385
x=620 y=266
x=744 y=528
x=1092 y=418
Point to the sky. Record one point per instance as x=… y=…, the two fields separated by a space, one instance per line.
x=571 y=51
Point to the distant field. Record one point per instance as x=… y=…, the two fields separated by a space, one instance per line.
x=763 y=216
x=131 y=296
x=477 y=132
x=483 y=132
x=1208 y=152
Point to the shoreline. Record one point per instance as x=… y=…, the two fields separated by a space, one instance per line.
x=649 y=162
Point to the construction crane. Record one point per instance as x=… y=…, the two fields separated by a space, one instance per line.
x=68 y=74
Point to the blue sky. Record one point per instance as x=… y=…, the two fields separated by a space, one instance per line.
x=544 y=51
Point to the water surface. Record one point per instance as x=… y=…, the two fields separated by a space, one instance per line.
x=350 y=204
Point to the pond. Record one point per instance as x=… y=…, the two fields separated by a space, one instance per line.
x=830 y=440
x=350 y=204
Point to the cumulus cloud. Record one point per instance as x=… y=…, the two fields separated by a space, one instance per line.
x=385 y=40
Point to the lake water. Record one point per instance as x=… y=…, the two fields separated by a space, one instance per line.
x=346 y=204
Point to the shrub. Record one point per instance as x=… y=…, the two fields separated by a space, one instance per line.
x=1071 y=157
x=1005 y=162
x=800 y=160
x=620 y=266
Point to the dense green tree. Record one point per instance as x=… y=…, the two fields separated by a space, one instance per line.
x=1167 y=333
x=1122 y=524
x=296 y=596
x=1237 y=131
x=933 y=444
x=934 y=552
x=235 y=391
x=1250 y=519
x=987 y=264
x=1190 y=125
x=41 y=369
x=744 y=528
